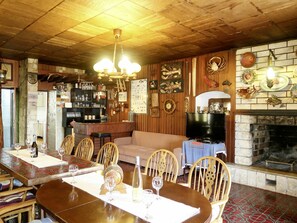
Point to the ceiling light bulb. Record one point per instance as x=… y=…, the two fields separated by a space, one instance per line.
x=124 y=63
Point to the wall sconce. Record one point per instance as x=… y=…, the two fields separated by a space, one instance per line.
x=2 y=75
x=271 y=77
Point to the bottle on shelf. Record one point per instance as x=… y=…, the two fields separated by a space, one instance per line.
x=34 y=145
x=137 y=184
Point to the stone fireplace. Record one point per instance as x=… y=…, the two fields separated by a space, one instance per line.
x=265 y=132
x=254 y=135
x=268 y=141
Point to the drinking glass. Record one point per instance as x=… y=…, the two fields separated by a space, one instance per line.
x=43 y=148
x=61 y=152
x=148 y=198
x=73 y=168
x=157 y=184
x=109 y=183
x=28 y=144
x=17 y=147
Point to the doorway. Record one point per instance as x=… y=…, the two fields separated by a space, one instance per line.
x=8 y=114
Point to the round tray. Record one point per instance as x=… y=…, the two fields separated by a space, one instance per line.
x=283 y=82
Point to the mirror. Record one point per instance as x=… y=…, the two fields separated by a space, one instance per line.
x=213 y=102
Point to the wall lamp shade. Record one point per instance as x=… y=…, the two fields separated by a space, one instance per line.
x=271 y=72
x=3 y=76
x=124 y=69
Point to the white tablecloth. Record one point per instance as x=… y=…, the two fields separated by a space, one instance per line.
x=41 y=161
x=162 y=210
x=194 y=150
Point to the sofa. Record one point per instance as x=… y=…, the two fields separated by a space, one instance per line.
x=143 y=144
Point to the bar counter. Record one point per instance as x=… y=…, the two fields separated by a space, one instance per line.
x=117 y=129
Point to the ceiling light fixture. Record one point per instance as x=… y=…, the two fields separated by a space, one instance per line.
x=107 y=68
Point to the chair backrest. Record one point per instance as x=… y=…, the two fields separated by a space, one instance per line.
x=162 y=163
x=211 y=177
x=16 y=201
x=108 y=153
x=68 y=144
x=85 y=149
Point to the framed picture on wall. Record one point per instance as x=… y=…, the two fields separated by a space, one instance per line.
x=171 y=70
x=153 y=85
x=8 y=68
x=123 y=96
x=171 y=86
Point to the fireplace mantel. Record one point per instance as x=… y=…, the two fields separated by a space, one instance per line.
x=267 y=112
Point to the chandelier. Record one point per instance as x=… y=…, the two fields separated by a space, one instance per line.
x=107 y=68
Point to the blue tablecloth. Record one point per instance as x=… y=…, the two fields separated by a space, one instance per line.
x=193 y=150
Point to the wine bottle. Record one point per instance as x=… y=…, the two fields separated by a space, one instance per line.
x=137 y=184
x=34 y=145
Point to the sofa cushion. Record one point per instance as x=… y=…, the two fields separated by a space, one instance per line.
x=157 y=140
x=135 y=150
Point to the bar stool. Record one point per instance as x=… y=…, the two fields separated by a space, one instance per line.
x=101 y=136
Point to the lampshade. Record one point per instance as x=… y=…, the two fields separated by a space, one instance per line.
x=107 y=68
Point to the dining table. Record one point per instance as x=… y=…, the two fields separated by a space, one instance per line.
x=67 y=202
x=44 y=168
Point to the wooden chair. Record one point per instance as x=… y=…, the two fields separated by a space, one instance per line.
x=15 y=201
x=108 y=153
x=85 y=149
x=162 y=163
x=68 y=144
x=211 y=177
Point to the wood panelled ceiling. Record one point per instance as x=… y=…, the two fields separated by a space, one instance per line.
x=77 y=33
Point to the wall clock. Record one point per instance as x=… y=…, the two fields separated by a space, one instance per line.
x=32 y=78
x=169 y=106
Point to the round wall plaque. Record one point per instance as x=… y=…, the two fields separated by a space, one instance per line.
x=169 y=106
x=32 y=78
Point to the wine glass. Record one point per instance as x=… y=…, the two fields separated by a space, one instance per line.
x=17 y=147
x=148 y=198
x=61 y=152
x=73 y=195
x=28 y=144
x=109 y=183
x=43 y=148
x=157 y=184
x=73 y=168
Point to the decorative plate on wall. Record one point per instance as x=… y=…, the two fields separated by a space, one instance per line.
x=281 y=82
x=248 y=59
x=32 y=78
x=248 y=76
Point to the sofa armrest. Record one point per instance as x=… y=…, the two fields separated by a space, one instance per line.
x=123 y=140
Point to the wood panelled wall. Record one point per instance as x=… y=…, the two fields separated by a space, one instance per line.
x=176 y=123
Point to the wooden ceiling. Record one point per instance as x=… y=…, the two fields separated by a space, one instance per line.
x=77 y=33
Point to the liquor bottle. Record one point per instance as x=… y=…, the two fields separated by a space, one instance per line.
x=137 y=185
x=34 y=145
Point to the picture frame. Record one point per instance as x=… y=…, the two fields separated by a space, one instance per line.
x=155 y=112
x=172 y=86
x=172 y=70
x=123 y=96
x=8 y=67
x=153 y=85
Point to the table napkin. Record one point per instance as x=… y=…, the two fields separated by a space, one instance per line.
x=41 y=161
x=162 y=210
